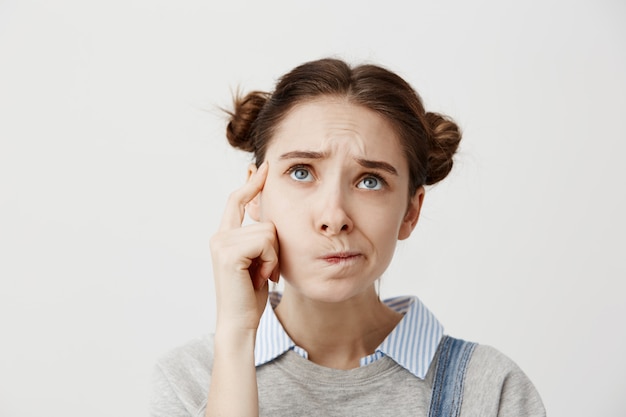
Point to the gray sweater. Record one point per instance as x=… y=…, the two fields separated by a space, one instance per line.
x=293 y=386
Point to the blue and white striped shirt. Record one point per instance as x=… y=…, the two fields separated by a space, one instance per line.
x=411 y=344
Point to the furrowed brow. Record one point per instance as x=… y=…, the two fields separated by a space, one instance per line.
x=303 y=155
x=366 y=163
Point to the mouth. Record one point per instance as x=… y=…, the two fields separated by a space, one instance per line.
x=341 y=257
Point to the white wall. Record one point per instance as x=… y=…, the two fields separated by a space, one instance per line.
x=114 y=170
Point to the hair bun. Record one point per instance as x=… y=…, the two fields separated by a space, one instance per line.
x=444 y=141
x=240 y=126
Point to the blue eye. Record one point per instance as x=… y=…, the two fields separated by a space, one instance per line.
x=300 y=174
x=371 y=183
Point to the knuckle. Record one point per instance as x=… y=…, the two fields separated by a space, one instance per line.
x=234 y=197
x=214 y=241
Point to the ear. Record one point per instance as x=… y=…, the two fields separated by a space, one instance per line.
x=253 y=208
x=412 y=214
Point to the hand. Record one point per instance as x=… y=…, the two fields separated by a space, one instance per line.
x=244 y=259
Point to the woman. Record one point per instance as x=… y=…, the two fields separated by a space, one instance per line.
x=342 y=156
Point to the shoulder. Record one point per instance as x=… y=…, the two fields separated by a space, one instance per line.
x=488 y=358
x=181 y=377
x=495 y=385
x=190 y=357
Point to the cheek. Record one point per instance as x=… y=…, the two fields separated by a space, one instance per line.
x=290 y=215
x=277 y=207
x=269 y=199
x=382 y=226
x=384 y=233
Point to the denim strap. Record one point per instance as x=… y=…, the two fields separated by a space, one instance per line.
x=447 y=397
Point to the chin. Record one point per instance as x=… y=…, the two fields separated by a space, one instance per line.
x=328 y=292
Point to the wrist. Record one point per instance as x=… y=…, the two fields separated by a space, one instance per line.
x=231 y=338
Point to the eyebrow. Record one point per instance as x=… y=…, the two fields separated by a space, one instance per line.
x=366 y=163
x=384 y=166
x=303 y=155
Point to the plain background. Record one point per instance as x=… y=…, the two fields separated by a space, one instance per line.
x=114 y=170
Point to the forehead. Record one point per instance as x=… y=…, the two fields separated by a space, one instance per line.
x=334 y=125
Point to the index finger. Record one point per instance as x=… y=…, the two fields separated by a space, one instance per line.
x=236 y=204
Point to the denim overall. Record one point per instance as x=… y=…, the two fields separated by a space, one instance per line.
x=447 y=395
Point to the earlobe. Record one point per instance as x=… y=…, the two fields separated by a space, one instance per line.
x=412 y=214
x=253 y=207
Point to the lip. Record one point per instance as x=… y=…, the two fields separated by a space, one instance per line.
x=341 y=257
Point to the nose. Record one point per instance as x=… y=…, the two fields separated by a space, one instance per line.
x=333 y=213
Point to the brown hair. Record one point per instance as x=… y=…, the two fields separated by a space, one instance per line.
x=429 y=139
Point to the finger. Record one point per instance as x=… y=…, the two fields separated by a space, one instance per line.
x=268 y=268
x=236 y=204
x=268 y=258
x=273 y=268
x=265 y=265
x=262 y=270
x=275 y=275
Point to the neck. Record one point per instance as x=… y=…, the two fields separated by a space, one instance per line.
x=336 y=334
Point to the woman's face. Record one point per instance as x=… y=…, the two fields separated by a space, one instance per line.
x=336 y=191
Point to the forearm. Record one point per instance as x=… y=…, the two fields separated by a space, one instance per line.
x=233 y=391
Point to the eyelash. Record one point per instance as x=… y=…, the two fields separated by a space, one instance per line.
x=374 y=175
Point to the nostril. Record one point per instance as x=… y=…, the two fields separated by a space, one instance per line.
x=344 y=227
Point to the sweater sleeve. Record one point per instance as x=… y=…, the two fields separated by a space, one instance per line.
x=496 y=386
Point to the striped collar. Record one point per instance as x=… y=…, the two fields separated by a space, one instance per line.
x=411 y=344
